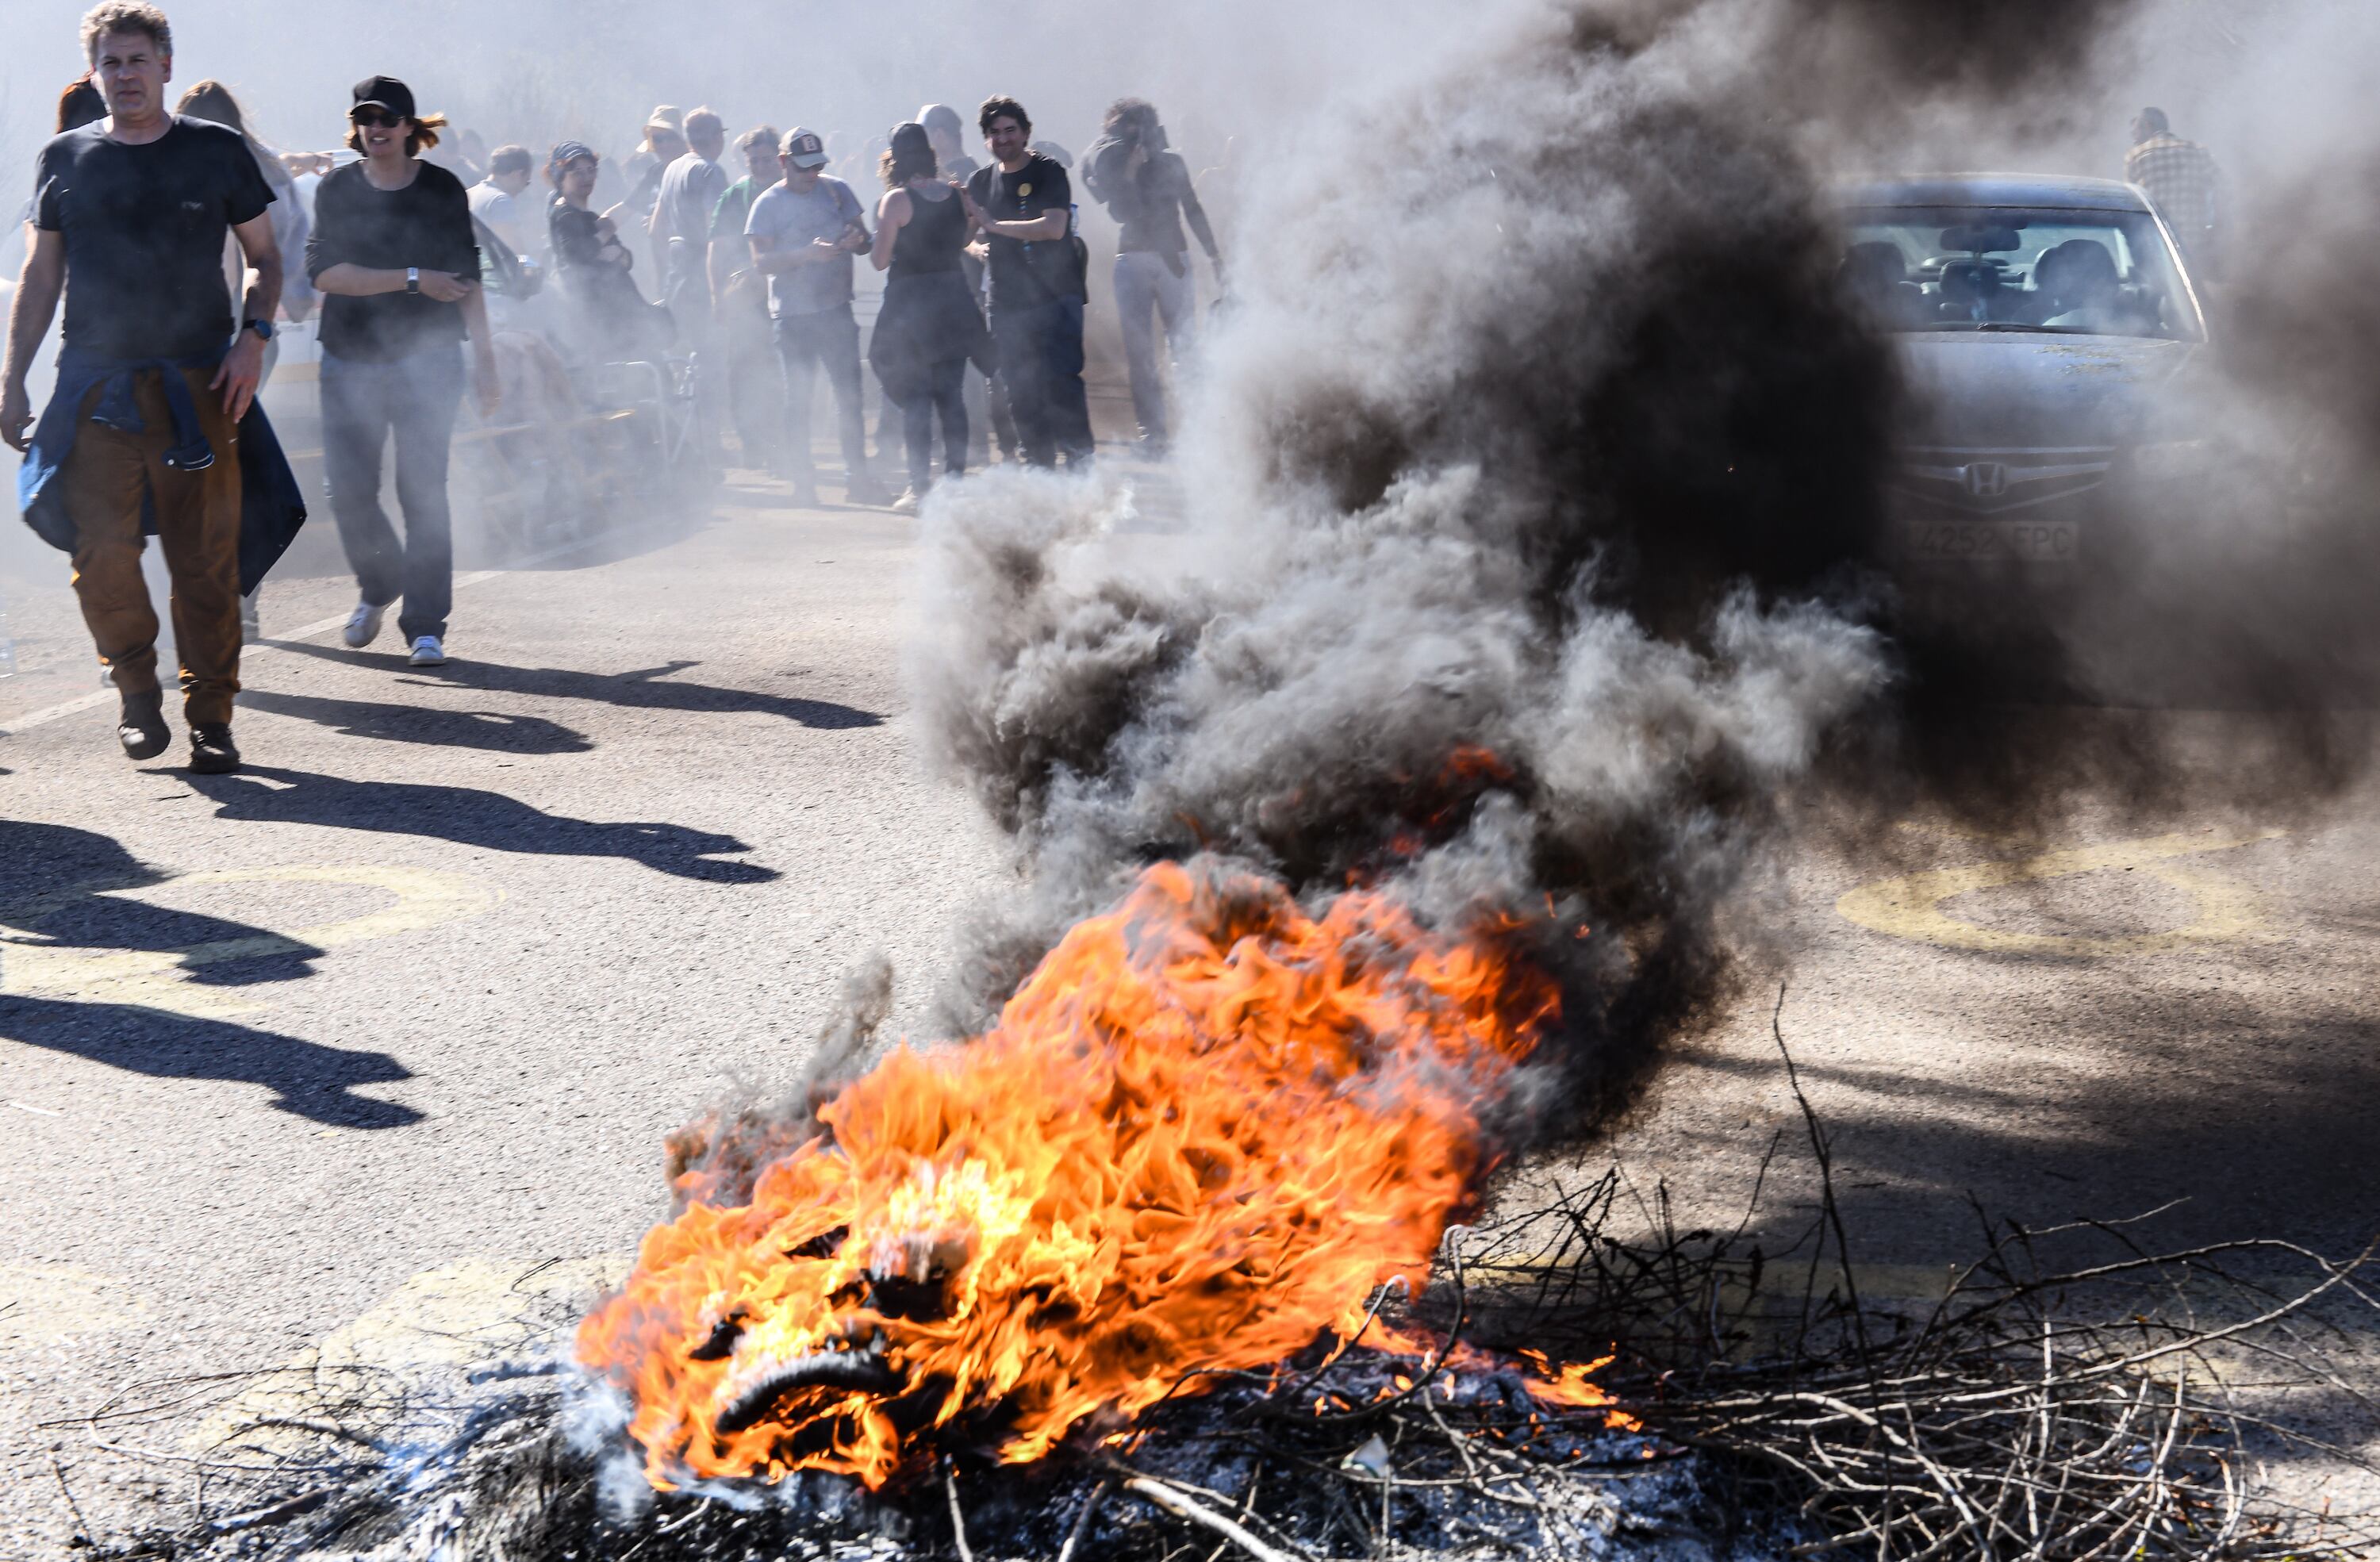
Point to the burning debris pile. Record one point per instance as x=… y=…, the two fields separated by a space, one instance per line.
x=2038 y=1409
x=1206 y=1129
x=1377 y=826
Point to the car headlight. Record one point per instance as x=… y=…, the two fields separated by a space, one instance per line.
x=2172 y=459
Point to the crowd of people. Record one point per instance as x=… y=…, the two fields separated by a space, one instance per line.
x=152 y=222
x=745 y=254
x=746 y=271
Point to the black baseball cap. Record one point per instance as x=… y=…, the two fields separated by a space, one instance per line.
x=385 y=92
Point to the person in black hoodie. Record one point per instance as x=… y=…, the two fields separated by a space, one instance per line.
x=611 y=317
x=393 y=254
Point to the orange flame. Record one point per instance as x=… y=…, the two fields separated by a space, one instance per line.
x=1570 y=1383
x=1203 y=1131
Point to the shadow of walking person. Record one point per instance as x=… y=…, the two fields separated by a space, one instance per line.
x=470 y=817
x=647 y=688
x=499 y=731
x=60 y=889
x=306 y=1078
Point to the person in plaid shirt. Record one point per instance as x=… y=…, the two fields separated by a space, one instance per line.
x=2181 y=178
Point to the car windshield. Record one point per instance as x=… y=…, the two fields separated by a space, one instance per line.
x=2066 y=272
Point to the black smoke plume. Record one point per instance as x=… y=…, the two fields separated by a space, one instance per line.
x=1537 y=471
x=1535 y=553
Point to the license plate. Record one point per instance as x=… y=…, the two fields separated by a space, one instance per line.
x=2031 y=542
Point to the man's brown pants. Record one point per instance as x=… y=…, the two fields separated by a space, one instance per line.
x=106 y=475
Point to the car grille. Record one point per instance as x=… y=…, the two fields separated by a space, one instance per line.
x=1991 y=482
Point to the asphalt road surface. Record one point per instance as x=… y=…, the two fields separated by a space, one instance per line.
x=334 y=1050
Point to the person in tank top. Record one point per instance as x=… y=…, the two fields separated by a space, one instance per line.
x=928 y=329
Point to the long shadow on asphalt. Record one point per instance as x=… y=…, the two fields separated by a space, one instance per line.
x=470 y=817
x=496 y=730
x=2242 y=1125
x=648 y=688
x=306 y=1078
x=61 y=885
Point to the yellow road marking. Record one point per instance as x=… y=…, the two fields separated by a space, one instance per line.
x=41 y=1303
x=2224 y=909
x=436 y=1325
x=161 y=979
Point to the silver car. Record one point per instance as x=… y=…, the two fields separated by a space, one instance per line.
x=2047 y=329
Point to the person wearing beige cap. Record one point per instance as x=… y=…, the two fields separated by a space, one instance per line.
x=663 y=122
x=663 y=144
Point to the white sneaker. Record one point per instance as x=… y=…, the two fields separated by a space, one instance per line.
x=428 y=652
x=363 y=624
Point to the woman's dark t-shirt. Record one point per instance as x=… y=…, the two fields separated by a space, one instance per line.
x=427 y=223
x=144 y=228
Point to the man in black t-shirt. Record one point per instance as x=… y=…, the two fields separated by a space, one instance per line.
x=156 y=374
x=1023 y=208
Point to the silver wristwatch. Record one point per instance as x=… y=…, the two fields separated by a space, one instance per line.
x=413 y=279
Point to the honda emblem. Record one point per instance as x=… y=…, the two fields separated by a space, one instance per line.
x=1985 y=479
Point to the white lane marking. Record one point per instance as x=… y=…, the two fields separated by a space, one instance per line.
x=80 y=702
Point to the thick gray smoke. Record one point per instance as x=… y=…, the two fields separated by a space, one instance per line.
x=1522 y=491
x=1541 y=432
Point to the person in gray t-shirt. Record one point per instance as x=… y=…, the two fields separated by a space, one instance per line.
x=805 y=225
x=690 y=190
x=804 y=232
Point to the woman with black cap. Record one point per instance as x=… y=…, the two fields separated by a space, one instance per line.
x=394 y=257
x=928 y=328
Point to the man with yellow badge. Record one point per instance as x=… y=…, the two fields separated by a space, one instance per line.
x=1023 y=208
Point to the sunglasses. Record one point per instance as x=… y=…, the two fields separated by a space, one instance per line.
x=374 y=118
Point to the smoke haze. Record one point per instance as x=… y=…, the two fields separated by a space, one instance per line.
x=540 y=71
x=1537 y=427
x=1540 y=431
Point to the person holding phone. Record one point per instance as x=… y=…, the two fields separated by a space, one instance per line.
x=804 y=232
x=394 y=256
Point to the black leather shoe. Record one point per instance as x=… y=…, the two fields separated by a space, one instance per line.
x=212 y=752
x=142 y=728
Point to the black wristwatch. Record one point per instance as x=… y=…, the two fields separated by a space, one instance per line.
x=264 y=328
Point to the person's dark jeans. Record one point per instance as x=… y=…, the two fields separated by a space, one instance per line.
x=806 y=344
x=945 y=392
x=417 y=396
x=1040 y=350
